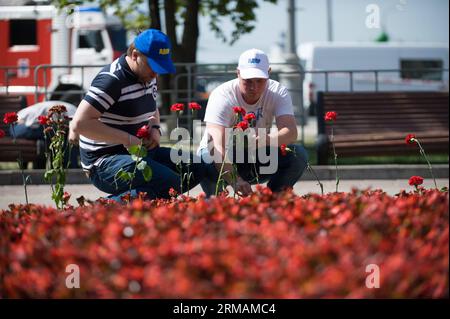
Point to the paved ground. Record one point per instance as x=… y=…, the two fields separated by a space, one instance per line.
x=390 y=178
x=41 y=193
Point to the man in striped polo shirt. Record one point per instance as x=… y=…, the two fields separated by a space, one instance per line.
x=121 y=100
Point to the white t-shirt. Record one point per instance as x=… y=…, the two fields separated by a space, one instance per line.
x=274 y=101
x=29 y=115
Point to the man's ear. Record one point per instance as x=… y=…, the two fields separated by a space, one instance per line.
x=134 y=55
x=270 y=70
x=238 y=73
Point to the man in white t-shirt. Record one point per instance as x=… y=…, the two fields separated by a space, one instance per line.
x=266 y=99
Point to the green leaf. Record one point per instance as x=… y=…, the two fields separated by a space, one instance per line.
x=136 y=158
x=147 y=173
x=49 y=174
x=141 y=165
x=137 y=150
x=123 y=175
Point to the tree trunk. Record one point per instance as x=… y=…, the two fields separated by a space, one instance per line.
x=184 y=52
x=155 y=17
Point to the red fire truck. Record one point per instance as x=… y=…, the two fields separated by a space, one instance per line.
x=41 y=48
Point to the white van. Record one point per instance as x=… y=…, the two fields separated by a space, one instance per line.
x=400 y=67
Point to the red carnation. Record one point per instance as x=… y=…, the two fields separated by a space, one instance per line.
x=10 y=118
x=283 y=149
x=143 y=132
x=66 y=198
x=330 y=116
x=415 y=180
x=43 y=119
x=2 y=133
x=177 y=107
x=250 y=117
x=410 y=139
x=239 y=110
x=243 y=125
x=194 y=106
x=172 y=192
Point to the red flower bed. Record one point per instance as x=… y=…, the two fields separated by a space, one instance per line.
x=265 y=245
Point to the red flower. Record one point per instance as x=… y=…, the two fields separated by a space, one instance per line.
x=239 y=110
x=143 y=132
x=330 y=116
x=410 y=139
x=66 y=198
x=415 y=180
x=10 y=118
x=194 y=106
x=250 y=117
x=43 y=120
x=283 y=149
x=2 y=133
x=243 y=125
x=172 y=192
x=177 y=107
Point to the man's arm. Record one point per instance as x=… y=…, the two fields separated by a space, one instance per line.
x=86 y=122
x=155 y=134
x=154 y=119
x=286 y=131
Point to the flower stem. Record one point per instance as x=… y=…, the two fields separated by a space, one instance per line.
x=20 y=162
x=221 y=168
x=422 y=151
x=309 y=167
x=219 y=179
x=135 y=168
x=335 y=159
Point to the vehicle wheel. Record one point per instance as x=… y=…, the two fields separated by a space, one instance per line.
x=72 y=98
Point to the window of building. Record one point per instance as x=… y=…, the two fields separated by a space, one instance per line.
x=421 y=69
x=22 y=32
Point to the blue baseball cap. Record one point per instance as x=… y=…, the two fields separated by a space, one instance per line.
x=155 y=45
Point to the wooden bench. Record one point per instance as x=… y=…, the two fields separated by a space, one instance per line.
x=32 y=151
x=376 y=123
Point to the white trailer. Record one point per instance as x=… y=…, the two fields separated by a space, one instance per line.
x=376 y=66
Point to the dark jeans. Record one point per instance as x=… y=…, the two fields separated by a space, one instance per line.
x=29 y=133
x=289 y=170
x=165 y=175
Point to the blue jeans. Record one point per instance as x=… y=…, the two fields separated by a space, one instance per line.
x=290 y=169
x=165 y=175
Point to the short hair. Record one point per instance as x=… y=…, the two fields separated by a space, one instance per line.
x=130 y=49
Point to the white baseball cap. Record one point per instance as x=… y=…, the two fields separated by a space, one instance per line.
x=253 y=63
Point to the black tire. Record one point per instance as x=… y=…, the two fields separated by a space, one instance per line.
x=72 y=98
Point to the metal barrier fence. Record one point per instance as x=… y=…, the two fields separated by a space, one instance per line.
x=195 y=81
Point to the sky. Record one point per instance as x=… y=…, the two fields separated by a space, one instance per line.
x=404 y=20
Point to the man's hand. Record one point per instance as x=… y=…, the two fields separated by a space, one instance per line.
x=73 y=137
x=154 y=139
x=243 y=188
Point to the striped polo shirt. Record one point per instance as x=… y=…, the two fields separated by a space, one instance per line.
x=125 y=103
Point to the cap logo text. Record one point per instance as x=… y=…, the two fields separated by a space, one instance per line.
x=254 y=60
x=164 y=51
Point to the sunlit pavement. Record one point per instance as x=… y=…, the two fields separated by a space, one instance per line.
x=41 y=194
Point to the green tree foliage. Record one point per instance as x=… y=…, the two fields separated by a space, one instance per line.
x=181 y=19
